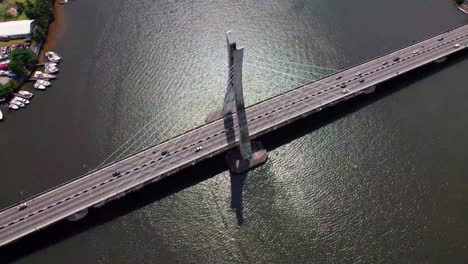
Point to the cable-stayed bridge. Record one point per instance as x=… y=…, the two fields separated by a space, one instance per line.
x=232 y=128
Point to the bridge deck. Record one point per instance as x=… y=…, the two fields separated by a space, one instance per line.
x=149 y=165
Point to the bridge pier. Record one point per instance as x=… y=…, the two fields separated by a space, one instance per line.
x=370 y=89
x=440 y=60
x=238 y=165
x=77 y=216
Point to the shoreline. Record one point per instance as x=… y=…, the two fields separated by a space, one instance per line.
x=53 y=33
x=463 y=7
x=54 y=30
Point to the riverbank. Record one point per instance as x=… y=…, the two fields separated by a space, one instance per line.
x=52 y=33
x=463 y=7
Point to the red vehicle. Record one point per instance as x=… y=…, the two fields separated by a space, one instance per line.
x=4 y=67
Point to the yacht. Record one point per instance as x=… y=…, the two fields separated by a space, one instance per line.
x=39 y=86
x=1 y=115
x=13 y=106
x=52 y=56
x=21 y=99
x=18 y=103
x=26 y=94
x=39 y=74
x=43 y=82
x=51 y=69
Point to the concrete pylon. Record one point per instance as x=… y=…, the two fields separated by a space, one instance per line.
x=229 y=105
x=248 y=155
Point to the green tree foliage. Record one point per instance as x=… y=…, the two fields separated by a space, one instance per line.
x=30 y=11
x=7 y=89
x=19 y=8
x=41 y=12
x=21 y=60
x=460 y=2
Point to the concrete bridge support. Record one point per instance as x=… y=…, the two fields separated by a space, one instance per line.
x=248 y=155
x=370 y=89
x=440 y=60
x=77 y=216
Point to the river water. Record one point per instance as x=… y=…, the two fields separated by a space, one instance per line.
x=378 y=179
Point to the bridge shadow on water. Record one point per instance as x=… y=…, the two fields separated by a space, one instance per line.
x=209 y=168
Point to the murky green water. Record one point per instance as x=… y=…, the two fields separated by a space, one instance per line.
x=379 y=179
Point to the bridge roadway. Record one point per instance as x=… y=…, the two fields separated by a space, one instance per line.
x=98 y=187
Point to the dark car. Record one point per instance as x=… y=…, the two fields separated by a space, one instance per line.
x=361 y=81
x=338 y=77
x=343 y=85
x=116 y=173
x=440 y=39
x=396 y=59
x=164 y=152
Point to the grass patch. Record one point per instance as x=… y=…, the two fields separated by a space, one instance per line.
x=6 y=4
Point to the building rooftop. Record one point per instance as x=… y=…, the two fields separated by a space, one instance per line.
x=12 y=28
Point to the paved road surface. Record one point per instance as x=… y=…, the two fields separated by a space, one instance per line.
x=147 y=166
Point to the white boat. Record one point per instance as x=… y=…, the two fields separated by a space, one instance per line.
x=51 y=69
x=39 y=86
x=39 y=74
x=43 y=82
x=52 y=56
x=26 y=94
x=20 y=104
x=21 y=99
x=1 y=115
x=13 y=106
x=50 y=64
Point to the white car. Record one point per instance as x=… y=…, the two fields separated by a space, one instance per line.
x=416 y=52
x=197 y=149
x=345 y=91
x=456 y=46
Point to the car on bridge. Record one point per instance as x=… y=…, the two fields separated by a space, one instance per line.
x=22 y=206
x=198 y=149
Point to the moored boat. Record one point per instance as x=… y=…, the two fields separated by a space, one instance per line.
x=52 y=56
x=13 y=106
x=39 y=74
x=51 y=69
x=43 y=82
x=18 y=103
x=21 y=99
x=25 y=94
x=1 y=115
x=39 y=86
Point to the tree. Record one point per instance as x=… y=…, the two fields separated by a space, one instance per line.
x=21 y=60
x=23 y=56
x=30 y=11
x=38 y=34
x=7 y=89
x=460 y=2
x=19 y=8
x=17 y=68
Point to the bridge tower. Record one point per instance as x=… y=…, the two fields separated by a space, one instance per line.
x=249 y=154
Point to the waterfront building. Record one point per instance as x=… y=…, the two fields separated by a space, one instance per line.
x=16 y=29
